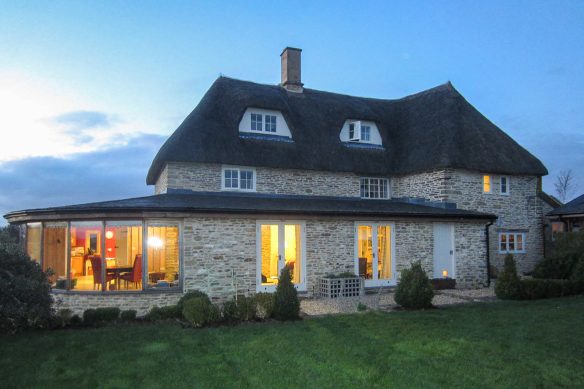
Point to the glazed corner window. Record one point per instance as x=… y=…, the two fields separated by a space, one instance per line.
x=163 y=255
x=511 y=242
x=365 y=133
x=374 y=188
x=486 y=184
x=256 y=121
x=504 y=185
x=238 y=179
x=270 y=123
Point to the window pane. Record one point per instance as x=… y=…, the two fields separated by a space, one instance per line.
x=351 y=130
x=87 y=260
x=246 y=180
x=486 y=184
x=503 y=242
x=163 y=256
x=511 y=242
x=503 y=184
x=33 y=241
x=365 y=251
x=55 y=253
x=123 y=246
x=365 y=133
x=384 y=252
x=519 y=242
x=270 y=123
x=231 y=178
x=270 y=254
x=292 y=254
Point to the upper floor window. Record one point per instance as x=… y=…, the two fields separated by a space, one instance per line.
x=264 y=123
x=256 y=122
x=486 y=184
x=374 y=188
x=358 y=131
x=234 y=178
x=511 y=242
x=504 y=185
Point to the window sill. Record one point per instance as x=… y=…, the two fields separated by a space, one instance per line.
x=116 y=292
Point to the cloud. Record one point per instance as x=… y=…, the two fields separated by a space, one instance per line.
x=82 y=120
x=115 y=173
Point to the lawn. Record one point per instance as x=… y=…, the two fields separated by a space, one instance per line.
x=506 y=344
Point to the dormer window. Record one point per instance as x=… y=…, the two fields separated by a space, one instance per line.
x=358 y=131
x=264 y=123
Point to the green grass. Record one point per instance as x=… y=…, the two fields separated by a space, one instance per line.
x=507 y=344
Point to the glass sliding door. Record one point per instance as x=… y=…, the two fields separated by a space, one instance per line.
x=280 y=244
x=87 y=259
x=374 y=253
x=123 y=247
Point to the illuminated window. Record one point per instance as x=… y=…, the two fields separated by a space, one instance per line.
x=511 y=242
x=374 y=188
x=234 y=178
x=504 y=185
x=487 y=184
x=163 y=258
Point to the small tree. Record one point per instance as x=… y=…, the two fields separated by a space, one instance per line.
x=565 y=185
x=25 y=300
x=508 y=286
x=287 y=305
x=414 y=290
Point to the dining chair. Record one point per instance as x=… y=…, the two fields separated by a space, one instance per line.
x=135 y=276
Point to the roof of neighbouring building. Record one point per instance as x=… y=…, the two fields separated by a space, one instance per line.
x=550 y=200
x=574 y=207
x=253 y=203
x=430 y=130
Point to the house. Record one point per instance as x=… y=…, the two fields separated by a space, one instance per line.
x=569 y=217
x=262 y=176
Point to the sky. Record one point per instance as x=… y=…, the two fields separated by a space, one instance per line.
x=89 y=91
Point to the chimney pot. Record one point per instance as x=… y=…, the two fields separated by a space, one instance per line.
x=291 y=67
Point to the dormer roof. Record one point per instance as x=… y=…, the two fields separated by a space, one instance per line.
x=430 y=130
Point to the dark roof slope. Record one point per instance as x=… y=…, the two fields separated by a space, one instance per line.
x=433 y=129
x=574 y=207
x=201 y=202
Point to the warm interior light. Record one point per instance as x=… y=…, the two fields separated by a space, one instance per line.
x=444 y=273
x=155 y=242
x=109 y=234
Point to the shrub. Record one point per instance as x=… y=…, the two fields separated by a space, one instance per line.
x=286 y=303
x=538 y=289
x=186 y=296
x=560 y=264
x=361 y=307
x=199 y=311
x=246 y=308
x=128 y=315
x=230 y=312
x=508 y=285
x=163 y=313
x=264 y=305
x=75 y=321
x=62 y=318
x=24 y=288
x=414 y=290
x=577 y=276
x=92 y=317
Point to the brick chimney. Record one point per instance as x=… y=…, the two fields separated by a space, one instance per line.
x=291 y=69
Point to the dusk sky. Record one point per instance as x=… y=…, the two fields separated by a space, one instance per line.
x=90 y=90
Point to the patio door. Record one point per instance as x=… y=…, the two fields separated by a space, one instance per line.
x=280 y=244
x=374 y=258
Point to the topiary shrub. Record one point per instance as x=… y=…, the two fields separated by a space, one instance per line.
x=414 y=290
x=246 y=308
x=163 y=313
x=199 y=311
x=25 y=299
x=186 y=296
x=508 y=285
x=128 y=315
x=264 y=305
x=90 y=317
x=286 y=303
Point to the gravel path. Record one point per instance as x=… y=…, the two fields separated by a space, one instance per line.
x=385 y=301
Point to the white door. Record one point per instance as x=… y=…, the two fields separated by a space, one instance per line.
x=444 y=265
x=374 y=248
x=280 y=244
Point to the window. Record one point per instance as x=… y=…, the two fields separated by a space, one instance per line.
x=365 y=133
x=486 y=184
x=511 y=242
x=238 y=179
x=351 y=131
x=374 y=188
x=270 y=123
x=256 y=122
x=163 y=255
x=504 y=185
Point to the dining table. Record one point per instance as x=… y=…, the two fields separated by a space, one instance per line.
x=116 y=271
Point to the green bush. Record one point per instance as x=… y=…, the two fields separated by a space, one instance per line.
x=414 y=290
x=508 y=285
x=163 y=313
x=577 y=276
x=128 y=315
x=539 y=289
x=75 y=321
x=264 y=305
x=361 y=307
x=62 y=318
x=199 y=311
x=98 y=316
x=25 y=298
x=186 y=296
x=286 y=303
x=569 y=247
x=90 y=317
x=230 y=312
x=246 y=308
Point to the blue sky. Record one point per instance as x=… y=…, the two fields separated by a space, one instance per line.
x=90 y=90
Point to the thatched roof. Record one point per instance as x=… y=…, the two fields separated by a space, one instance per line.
x=433 y=129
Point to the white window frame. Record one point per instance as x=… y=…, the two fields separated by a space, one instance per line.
x=273 y=119
x=239 y=169
x=515 y=235
x=256 y=122
x=365 y=130
x=375 y=281
x=380 y=180
x=507 y=192
x=490 y=183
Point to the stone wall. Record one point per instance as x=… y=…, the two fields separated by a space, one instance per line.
x=470 y=254
x=162 y=181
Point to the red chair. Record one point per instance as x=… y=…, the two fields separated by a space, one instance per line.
x=136 y=275
x=96 y=266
